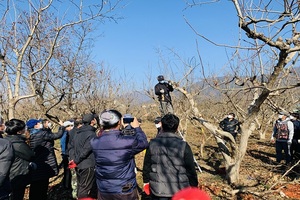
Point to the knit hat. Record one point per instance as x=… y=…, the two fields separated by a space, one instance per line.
x=32 y=122
x=108 y=117
x=88 y=118
x=191 y=193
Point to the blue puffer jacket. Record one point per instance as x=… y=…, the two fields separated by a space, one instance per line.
x=115 y=164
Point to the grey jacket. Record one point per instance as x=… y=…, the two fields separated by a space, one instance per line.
x=23 y=156
x=6 y=158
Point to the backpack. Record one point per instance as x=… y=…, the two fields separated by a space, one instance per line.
x=282 y=130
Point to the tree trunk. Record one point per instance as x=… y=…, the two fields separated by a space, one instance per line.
x=232 y=169
x=11 y=109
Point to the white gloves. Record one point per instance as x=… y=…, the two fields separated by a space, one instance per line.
x=162 y=91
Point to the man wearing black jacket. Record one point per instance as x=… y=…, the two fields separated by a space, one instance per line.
x=77 y=124
x=169 y=162
x=231 y=125
x=162 y=89
x=83 y=158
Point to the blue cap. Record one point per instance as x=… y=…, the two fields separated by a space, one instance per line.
x=32 y=122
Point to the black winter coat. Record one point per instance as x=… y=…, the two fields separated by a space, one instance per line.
x=19 y=170
x=231 y=126
x=70 y=149
x=81 y=148
x=165 y=96
x=41 y=143
x=6 y=158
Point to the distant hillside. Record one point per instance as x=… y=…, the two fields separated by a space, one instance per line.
x=204 y=88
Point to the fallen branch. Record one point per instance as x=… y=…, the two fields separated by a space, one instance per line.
x=284 y=175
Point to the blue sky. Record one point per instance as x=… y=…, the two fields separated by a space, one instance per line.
x=131 y=45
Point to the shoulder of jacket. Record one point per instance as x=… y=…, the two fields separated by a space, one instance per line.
x=4 y=141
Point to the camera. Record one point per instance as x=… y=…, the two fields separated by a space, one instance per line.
x=127 y=119
x=128 y=130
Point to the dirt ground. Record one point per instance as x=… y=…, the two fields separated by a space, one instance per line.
x=261 y=177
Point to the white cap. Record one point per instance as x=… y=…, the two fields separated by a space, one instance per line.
x=68 y=123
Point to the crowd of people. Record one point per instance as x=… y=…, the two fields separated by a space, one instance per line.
x=98 y=154
x=98 y=162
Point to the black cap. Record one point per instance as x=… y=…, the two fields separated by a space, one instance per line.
x=87 y=118
x=157 y=120
x=160 y=78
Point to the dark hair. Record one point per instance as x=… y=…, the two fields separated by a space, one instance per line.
x=45 y=120
x=170 y=123
x=231 y=114
x=77 y=122
x=108 y=125
x=13 y=126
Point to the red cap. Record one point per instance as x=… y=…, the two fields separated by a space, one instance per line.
x=191 y=193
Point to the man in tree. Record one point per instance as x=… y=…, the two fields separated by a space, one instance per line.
x=283 y=132
x=231 y=125
x=169 y=163
x=162 y=90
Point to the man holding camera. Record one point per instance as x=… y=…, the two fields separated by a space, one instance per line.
x=114 y=152
x=162 y=90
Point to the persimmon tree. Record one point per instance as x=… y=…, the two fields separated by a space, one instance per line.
x=267 y=54
x=38 y=47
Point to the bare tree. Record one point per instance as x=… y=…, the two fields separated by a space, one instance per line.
x=272 y=36
x=33 y=37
